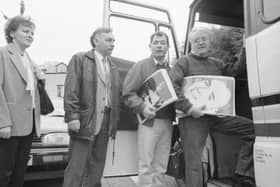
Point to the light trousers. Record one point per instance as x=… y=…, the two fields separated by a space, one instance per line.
x=153 y=150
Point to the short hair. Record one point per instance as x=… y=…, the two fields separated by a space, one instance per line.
x=13 y=24
x=199 y=30
x=98 y=31
x=159 y=33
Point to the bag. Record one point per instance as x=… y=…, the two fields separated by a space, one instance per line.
x=176 y=163
x=45 y=102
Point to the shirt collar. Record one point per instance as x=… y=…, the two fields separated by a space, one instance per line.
x=99 y=56
x=155 y=61
x=164 y=63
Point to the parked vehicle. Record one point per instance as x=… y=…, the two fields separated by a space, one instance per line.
x=48 y=156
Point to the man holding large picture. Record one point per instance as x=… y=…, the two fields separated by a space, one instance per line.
x=194 y=128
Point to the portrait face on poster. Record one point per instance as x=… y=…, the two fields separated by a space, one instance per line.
x=215 y=92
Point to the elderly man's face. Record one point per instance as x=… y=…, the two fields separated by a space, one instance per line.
x=105 y=43
x=200 y=44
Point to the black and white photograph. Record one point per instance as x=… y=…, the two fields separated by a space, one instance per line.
x=157 y=90
x=217 y=93
x=139 y=93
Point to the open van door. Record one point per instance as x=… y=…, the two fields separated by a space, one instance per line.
x=221 y=15
x=133 y=23
x=262 y=24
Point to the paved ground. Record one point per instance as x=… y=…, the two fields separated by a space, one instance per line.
x=122 y=182
x=131 y=182
x=106 y=182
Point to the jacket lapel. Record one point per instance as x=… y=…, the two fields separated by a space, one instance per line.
x=17 y=62
x=114 y=73
x=91 y=55
x=112 y=67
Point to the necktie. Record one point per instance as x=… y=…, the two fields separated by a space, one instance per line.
x=106 y=69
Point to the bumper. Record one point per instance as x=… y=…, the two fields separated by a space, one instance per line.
x=46 y=162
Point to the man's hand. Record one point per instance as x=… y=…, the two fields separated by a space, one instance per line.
x=197 y=111
x=74 y=125
x=149 y=111
x=5 y=132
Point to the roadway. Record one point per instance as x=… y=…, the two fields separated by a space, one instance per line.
x=106 y=182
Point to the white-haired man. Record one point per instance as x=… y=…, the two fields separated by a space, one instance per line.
x=195 y=127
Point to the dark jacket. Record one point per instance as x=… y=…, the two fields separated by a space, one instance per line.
x=242 y=101
x=80 y=95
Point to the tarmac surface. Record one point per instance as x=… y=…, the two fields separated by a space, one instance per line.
x=131 y=182
x=106 y=182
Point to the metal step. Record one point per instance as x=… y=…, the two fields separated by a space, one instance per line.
x=219 y=183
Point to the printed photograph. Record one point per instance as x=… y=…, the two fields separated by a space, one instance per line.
x=157 y=90
x=217 y=93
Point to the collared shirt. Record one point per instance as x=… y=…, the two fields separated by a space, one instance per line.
x=101 y=59
x=105 y=68
x=159 y=65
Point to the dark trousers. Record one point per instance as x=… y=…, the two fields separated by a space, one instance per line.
x=14 y=155
x=194 y=132
x=87 y=159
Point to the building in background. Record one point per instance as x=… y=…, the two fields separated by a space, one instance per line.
x=55 y=73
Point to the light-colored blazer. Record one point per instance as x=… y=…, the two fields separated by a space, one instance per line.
x=15 y=101
x=100 y=94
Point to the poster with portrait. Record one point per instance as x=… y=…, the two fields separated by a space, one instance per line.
x=216 y=93
x=157 y=90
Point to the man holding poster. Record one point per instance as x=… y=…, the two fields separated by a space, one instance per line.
x=143 y=95
x=196 y=124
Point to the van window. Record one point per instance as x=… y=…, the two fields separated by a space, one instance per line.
x=271 y=9
x=132 y=38
x=172 y=55
x=226 y=41
x=142 y=12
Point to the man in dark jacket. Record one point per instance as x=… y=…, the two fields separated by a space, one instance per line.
x=195 y=127
x=91 y=103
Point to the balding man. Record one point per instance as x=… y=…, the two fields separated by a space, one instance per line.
x=91 y=103
x=195 y=127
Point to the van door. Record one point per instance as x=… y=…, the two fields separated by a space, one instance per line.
x=263 y=41
x=132 y=24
